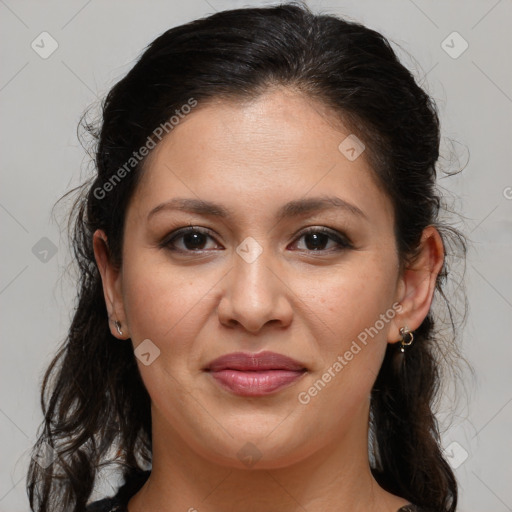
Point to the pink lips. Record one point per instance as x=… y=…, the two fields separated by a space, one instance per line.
x=255 y=374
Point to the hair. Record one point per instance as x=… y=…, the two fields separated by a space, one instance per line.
x=93 y=398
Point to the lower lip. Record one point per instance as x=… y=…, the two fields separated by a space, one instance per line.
x=259 y=383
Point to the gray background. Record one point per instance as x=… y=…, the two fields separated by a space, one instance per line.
x=41 y=101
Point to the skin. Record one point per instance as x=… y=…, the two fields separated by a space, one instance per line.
x=308 y=304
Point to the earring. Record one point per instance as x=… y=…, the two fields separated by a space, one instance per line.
x=407 y=338
x=118 y=327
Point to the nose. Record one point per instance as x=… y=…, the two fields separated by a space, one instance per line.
x=255 y=294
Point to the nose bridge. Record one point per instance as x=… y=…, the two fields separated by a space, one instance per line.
x=254 y=295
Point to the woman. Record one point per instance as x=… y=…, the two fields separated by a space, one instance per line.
x=259 y=252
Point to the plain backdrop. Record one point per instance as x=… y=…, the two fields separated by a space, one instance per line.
x=43 y=95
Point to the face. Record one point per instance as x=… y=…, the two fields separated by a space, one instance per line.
x=296 y=256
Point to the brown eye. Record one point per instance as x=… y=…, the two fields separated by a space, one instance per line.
x=318 y=239
x=188 y=240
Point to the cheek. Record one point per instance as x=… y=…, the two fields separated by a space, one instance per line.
x=351 y=340
x=351 y=297
x=351 y=309
x=162 y=303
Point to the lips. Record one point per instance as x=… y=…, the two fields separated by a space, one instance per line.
x=255 y=374
x=261 y=361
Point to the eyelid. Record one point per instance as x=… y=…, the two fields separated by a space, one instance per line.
x=340 y=238
x=180 y=232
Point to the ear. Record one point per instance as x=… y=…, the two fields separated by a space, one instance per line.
x=417 y=283
x=111 y=280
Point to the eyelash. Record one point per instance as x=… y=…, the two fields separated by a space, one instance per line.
x=342 y=241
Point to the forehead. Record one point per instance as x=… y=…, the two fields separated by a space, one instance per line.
x=277 y=147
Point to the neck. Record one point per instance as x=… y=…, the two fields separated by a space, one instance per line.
x=334 y=476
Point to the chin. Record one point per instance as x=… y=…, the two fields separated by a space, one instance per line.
x=249 y=451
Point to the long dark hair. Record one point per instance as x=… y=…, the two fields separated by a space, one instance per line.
x=93 y=398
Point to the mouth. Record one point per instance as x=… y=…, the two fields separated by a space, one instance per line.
x=255 y=374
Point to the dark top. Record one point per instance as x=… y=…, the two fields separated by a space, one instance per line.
x=119 y=502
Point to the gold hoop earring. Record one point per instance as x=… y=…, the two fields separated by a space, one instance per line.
x=118 y=327
x=407 y=338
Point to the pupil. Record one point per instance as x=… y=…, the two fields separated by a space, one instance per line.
x=318 y=242
x=193 y=240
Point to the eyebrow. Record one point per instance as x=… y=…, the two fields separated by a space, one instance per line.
x=292 y=209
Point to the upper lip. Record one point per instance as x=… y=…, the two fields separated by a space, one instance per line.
x=243 y=361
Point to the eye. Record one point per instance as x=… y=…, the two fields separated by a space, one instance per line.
x=195 y=239
x=192 y=239
x=317 y=238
